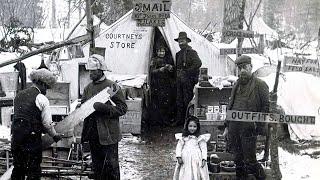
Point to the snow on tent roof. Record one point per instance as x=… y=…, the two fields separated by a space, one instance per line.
x=259 y=26
x=129 y=47
x=298 y=94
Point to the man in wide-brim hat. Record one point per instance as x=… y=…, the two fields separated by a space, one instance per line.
x=32 y=117
x=188 y=66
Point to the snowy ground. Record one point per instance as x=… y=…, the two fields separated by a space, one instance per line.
x=295 y=166
x=151 y=156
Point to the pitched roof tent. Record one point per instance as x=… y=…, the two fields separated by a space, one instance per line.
x=129 y=47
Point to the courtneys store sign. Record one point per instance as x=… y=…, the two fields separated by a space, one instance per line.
x=151 y=12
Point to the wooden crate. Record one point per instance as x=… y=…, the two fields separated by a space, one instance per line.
x=59 y=98
x=212 y=127
x=232 y=175
x=210 y=96
x=6 y=113
x=131 y=121
x=9 y=81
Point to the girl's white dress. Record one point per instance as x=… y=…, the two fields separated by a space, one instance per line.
x=192 y=150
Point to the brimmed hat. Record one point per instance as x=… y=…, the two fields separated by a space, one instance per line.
x=183 y=35
x=243 y=59
x=43 y=75
x=96 y=62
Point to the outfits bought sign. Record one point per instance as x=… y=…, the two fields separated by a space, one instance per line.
x=151 y=13
x=246 y=116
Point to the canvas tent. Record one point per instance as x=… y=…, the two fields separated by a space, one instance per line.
x=298 y=94
x=128 y=47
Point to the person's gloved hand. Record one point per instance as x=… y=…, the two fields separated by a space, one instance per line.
x=273 y=96
x=225 y=133
x=203 y=163
x=57 y=137
x=101 y=107
x=162 y=69
x=169 y=67
x=180 y=160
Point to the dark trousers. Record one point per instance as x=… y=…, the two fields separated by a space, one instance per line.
x=184 y=96
x=27 y=157
x=242 y=140
x=105 y=161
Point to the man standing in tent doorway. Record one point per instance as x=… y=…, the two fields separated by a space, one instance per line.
x=188 y=66
x=101 y=128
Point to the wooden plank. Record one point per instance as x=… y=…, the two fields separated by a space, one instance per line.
x=226 y=51
x=238 y=33
x=246 y=116
x=145 y=8
x=151 y=22
x=79 y=115
x=301 y=64
x=4 y=102
x=7 y=174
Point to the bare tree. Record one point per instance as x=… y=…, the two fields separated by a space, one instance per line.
x=28 y=12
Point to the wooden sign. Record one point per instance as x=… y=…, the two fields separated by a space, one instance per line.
x=238 y=33
x=151 y=22
x=151 y=13
x=225 y=51
x=246 y=116
x=301 y=64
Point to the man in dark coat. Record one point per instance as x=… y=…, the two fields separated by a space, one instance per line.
x=101 y=129
x=248 y=94
x=188 y=66
x=32 y=117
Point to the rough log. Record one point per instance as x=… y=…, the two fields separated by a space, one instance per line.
x=46 y=49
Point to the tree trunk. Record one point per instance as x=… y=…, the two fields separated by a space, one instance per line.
x=53 y=13
x=233 y=17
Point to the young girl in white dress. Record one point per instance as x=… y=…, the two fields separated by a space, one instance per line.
x=191 y=152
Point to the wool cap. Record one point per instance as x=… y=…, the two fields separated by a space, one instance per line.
x=43 y=75
x=243 y=59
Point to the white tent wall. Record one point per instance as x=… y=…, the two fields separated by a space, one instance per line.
x=298 y=94
x=128 y=46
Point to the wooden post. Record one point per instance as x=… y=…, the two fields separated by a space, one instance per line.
x=90 y=24
x=240 y=39
x=275 y=169
x=318 y=49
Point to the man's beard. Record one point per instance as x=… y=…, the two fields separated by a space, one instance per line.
x=244 y=78
x=182 y=46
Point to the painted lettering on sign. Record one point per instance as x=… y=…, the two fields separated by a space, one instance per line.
x=151 y=13
x=151 y=22
x=246 y=116
x=150 y=16
x=238 y=33
x=234 y=51
x=301 y=64
x=123 y=40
